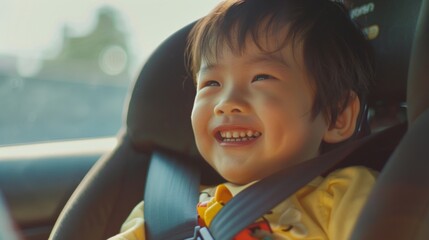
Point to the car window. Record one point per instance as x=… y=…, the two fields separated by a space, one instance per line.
x=66 y=65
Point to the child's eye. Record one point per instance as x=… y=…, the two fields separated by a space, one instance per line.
x=261 y=77
x=210 y=83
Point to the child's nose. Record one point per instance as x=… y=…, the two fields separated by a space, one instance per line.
x=226 y=109
x=231 y=105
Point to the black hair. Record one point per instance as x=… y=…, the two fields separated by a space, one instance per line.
x=336 y=54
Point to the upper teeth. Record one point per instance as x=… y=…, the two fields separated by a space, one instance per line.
x=239 y=134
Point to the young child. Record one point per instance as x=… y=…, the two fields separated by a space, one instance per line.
x=277 y=79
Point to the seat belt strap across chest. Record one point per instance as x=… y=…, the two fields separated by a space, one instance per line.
x=171 y=194
x=170 y=200
x=250 y=204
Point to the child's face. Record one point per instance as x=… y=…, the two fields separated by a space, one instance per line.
x=252 y=113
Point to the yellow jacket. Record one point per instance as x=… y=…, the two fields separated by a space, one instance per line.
x=326 y=208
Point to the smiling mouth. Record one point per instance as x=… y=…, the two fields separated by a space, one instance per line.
x=237 y=135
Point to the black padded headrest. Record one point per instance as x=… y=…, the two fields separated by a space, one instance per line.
x=390 y=25
x=161 y=102
x=159 y=112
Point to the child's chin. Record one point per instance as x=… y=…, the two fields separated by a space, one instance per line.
x=239 y=179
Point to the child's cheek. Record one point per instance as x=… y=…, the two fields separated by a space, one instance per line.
x=200 y=119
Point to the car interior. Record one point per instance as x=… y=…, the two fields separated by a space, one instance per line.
x=156 y=159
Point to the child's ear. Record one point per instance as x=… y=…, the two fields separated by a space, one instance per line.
x=345 y=125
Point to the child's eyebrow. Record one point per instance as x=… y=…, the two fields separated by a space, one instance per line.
x=268 y=58
x=206 y=67
x=254 y=59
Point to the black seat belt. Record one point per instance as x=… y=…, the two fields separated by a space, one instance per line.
x=171 y=194
x=250 y=204
x=170 y=200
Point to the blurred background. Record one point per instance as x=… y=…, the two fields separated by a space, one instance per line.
x=66 y=65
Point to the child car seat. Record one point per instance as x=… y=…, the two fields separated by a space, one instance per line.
x=158 y=122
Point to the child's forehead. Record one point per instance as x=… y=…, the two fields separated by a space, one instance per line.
x=271 y=34
x=264 y=49
x=249 y=56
